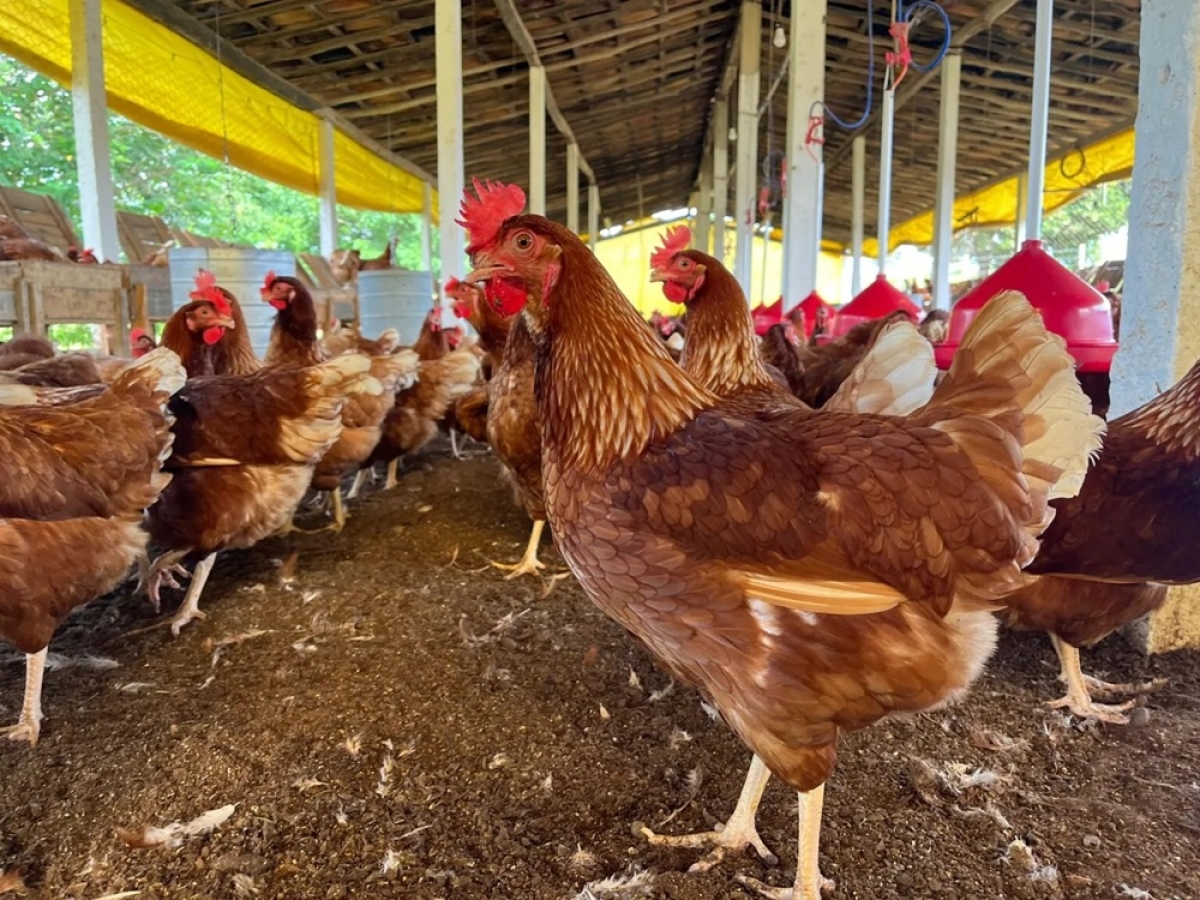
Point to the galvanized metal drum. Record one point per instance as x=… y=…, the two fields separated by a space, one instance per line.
x=394 y=298
x=241 y=272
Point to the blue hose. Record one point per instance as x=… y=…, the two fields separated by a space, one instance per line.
x=906 y=14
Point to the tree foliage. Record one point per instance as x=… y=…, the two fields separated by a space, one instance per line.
x=155 y=176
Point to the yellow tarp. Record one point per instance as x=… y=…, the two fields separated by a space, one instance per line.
x=627 y=258
x=163 y=81
x=1067 y=177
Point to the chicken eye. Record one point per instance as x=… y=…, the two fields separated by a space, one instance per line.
x=523 y=241
x=684 y=262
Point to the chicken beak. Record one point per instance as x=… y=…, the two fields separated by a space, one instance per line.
x=658 y=276
x=488 y=272
x=226 y=322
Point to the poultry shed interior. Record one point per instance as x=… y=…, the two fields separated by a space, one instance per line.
x=676 y=449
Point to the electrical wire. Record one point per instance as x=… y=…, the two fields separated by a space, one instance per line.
x=911 y=15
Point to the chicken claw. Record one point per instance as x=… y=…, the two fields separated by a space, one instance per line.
x=161 y=574
x=529 y=564
x=29 y=724
x=810 y=884
x=1079 y=699
x=732 y=837
x=190 y=609
x=1107 y=690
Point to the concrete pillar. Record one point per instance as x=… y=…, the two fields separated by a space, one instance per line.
x=720 y=163
x=802 y=211
x=1160 y=314
x=593 y=214
x=746 y=188
x=327 y=209
x=1039 y=119
x=573 y=187
x=537 y=140
x=943 y=213
x=704 y=205
x=92 y=157
x=427 y=227
x=450 y=170
x=858 y=207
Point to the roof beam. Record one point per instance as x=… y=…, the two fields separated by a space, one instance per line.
x=208 y=40
x=520 y=34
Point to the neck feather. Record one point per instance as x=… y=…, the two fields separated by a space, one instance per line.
x=721 y=350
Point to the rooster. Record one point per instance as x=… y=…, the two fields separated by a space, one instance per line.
x=810 y=571
x=1106 y=559
x=77 y=477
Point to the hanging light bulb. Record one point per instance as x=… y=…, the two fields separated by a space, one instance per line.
x=780 y=39
x=732 y=135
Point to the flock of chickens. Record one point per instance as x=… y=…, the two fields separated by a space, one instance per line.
x=815 y=537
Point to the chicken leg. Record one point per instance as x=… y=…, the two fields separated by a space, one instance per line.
x=1079 y=700
x=360 y=479
x=29 y=724
x=162 y=574
x=736 y=834
x=392 y=481
x=810 y=884
x=529 y=564
x=454 y=445
x=190 y=609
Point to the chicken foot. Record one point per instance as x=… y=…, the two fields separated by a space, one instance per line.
x=29 y=724
x=732 y=837
x=360 y=479
x=392 y=480
x=162 y=574
x=529 y=564
x=454 y=445
x=810 y=884
x=190 y=608
x=1078 y=699
x=334 y=499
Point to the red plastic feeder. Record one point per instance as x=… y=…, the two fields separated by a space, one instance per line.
x=766 y=316
x=876 y=300
x=1070 y=307
x=810 y=308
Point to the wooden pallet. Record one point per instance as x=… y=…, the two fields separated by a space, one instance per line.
x=35 y=294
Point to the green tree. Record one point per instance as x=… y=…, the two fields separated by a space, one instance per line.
x=155 y=176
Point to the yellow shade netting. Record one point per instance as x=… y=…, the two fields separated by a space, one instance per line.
x=165 y=82
x=1067 y=176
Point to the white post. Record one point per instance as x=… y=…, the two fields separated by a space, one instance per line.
x=720 y=162
x=1040 y=118
x=745 y=192
x=573 y=187
x=1019 y=232
x=327 y=211
x=802 y=211
x=858 y=208
x=947 y=152
x=92 y=157
x=427 y=227
x=593 y=215
x=450 y=170
x=887 y=127
x=537 y=140
x=704 y=205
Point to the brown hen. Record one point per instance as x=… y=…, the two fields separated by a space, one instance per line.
x=810 y=572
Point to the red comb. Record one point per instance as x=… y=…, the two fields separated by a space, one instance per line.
x=207 y=290
x=136 y=335
x=266 y=285
x=452 y=284
x=483 y=214
x=677 y=238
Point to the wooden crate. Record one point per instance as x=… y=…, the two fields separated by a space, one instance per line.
x=35 y=294
x=39 y=215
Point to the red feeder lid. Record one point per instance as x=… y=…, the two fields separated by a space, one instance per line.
x=766 y=316
x=876 y=300
x=1070 y=307
x=809 y=308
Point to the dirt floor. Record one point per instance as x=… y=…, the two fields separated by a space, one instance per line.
x=396 y=720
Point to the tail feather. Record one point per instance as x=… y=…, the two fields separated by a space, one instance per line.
x=17 y=395
x=1011 y=372
x=160 y=371
x=894 y=378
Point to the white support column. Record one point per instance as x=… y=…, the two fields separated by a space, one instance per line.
x=720 y=163
x=1039 y=121
x=327 y=211
x=427 y=227
x=537 y=140
x=593 y=215
x=858 y=208
x=1160 y=313
x=450 y=170
x=746 y=189
x=887 y=128
x=1022 y=219
x=92 y=157
x=704 y=205
x=802 y=211
x=943 y=215
x=573 y=187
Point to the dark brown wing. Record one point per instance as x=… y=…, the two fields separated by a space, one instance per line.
x=514 y=423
